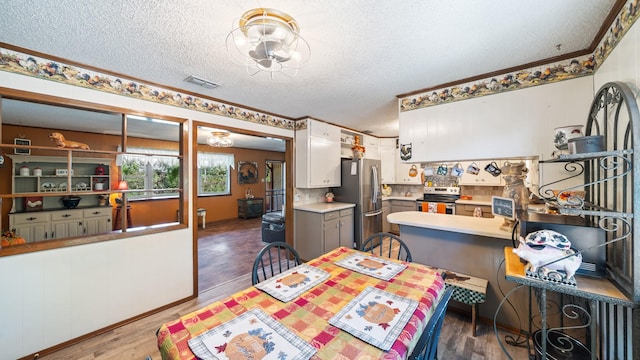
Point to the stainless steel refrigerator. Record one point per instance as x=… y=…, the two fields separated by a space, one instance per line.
x=361 y=186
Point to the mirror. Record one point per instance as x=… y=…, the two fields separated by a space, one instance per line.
x=51 y=193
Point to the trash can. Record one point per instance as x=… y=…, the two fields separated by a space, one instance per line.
x=272 y=227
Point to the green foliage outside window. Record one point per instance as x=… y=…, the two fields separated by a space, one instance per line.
x=214 y=173
x=151 y=172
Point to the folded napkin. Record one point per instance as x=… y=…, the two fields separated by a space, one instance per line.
x=372 y=266
x=251 y=335
x=293 y=282
x=375 y=316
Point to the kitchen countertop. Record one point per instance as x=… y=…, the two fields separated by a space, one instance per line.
x=323 y=207
x=489 y=227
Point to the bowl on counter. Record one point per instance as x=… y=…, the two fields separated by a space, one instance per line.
x=71 y=202
x=569 y=199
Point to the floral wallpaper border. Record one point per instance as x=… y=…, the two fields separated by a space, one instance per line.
x=554 y=72
x=30 y=65
x=27 y=64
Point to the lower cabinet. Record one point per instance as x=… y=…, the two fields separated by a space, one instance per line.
x=97 y=221
x=31 y=226
x=318 y=233
x=386 y=210
x=49 y=225
x=250 y=208
x=401 y=205
x=66 y=223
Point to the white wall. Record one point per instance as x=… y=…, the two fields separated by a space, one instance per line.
x=50 y=297
x=622 y=64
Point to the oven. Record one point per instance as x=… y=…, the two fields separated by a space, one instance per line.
x=441 y=200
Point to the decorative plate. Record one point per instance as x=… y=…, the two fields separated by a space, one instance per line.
x=48 y=186
x=251 y=335
x=81 y=186
x=375 y=316
x=62 y=186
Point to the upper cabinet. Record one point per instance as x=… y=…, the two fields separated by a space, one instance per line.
x=388 y=160
x=317 y=153
x=514 y=124
x=372 y=147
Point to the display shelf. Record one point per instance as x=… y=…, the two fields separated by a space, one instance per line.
x=51 y=185
x=587 y=156
x=611 y=193
x=592 y=288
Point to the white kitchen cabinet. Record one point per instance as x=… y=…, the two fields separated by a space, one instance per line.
x=317 y=153
x=388 y=160
x=97 y=221
x=372 y=147
x=483 y=178
x=66 y=223
x=317 y=233
x=507 y=125
x=402 y=172
x=31 y=226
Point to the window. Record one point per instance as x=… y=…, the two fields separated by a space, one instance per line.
x=214 y=173
x=157 y=172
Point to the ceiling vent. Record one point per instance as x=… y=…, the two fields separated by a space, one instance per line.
x=202 y=82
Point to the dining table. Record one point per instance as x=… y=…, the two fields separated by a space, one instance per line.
x=331 y=307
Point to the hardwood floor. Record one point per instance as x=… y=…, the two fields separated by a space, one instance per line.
x=226 y=255
x=227 y=249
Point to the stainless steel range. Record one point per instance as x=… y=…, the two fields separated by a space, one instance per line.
x=439 y=200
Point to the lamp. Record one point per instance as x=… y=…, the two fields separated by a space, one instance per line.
x=268 y=40
x=220 y=139
x=123 y=185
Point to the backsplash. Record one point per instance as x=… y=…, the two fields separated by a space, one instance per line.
x=481 y=192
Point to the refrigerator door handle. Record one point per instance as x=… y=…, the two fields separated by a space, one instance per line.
x=373 y=214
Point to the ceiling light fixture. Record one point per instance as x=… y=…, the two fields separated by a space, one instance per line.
x=220 y=139
x=268 y=40
x=202 y=82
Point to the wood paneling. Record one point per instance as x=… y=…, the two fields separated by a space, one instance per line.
x=226 y=206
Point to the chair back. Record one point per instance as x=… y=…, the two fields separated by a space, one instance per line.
x=387 y=245
x=274 y=259
x=427 y=346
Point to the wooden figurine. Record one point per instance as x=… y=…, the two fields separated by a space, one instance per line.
x=61 y=142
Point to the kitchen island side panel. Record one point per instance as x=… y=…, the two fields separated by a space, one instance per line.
x=477 y=256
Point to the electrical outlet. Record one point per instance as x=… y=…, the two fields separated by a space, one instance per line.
x=297 y=197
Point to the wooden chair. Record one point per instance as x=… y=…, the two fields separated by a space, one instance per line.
x=427 y=346
x=274 y=259
x=387 y=245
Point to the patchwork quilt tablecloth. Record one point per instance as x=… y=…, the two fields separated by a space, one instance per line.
x=307 y=316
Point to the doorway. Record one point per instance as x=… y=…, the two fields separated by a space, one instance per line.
x=275 y=186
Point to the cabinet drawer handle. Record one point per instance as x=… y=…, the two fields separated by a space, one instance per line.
x=32 y=218
x=66 y=215
x=96 y=212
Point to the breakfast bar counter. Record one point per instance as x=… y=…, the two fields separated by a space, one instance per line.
x=466 y=245
x=489 y=227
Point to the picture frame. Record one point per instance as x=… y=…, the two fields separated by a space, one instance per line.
x=23 y=142
x=247 y=172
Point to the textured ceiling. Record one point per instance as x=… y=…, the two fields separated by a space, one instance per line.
x=363 y=53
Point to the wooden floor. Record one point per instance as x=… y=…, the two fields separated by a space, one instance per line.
x=226 y=250
x=226 y=255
